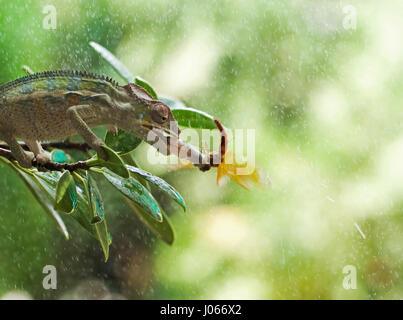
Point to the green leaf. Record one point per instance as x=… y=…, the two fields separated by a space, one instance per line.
x=46 y=204
x=114 y=163
x=163 y=229
x=44 y=199
x=48 y=181
x=104 y=237
x=82 y=214
x=129 y=160
x=101 y=228
x=122 y=141
x=83 y=211
x=136 y=192
x=189 y=117
x=66 y=195
x=113 y=61
x=146 y=85
x=193 y=118
x=43 y=187
x=97 y=204
x=160 y=184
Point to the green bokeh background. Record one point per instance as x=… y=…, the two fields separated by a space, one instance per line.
x=325 y=100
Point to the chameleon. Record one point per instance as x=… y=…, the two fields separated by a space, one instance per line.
x=54 y=105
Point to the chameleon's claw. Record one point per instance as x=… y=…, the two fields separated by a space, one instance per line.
x=42 y=158
x=101 y=152
x=112 y=128
x=26 y=161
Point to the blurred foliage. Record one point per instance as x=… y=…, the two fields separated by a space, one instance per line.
x=325 y=102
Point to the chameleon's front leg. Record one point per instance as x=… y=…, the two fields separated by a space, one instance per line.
x=84 y=130
x=24 y=158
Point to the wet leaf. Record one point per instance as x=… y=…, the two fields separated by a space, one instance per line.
x=104 y=237
x=48 y=181
x=42 y=196
x=82 y=213
x=193 y=118
x=96 y=202
x=114 y=163
x=66 y=195
x=122 y=142
x=189 y=117
x=101 y=229
x=146 y=85
x=163 y=229
x=131 y=161
x=160 y=184
x=136 y=192
x=46 y=204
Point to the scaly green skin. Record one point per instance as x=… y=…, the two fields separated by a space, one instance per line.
x=56 y=104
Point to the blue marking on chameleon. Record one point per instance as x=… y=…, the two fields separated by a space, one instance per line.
x=74 y=83
x=141 y=115
x=27 y=88
x=59 y=156
x=51 y=84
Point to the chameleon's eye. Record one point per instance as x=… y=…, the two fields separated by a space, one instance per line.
x=160 y=113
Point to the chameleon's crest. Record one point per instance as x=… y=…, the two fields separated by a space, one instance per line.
x=140 y=94
x=57 y=74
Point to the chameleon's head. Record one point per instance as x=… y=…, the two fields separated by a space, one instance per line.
x=149 y=114
x=161 y=115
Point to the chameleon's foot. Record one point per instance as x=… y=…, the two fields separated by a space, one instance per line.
x=43 y=158
x=26 y=161
x=113 y=129
x=101 y=152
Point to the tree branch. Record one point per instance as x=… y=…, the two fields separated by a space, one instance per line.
x=53 y=166
x=58 y=145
